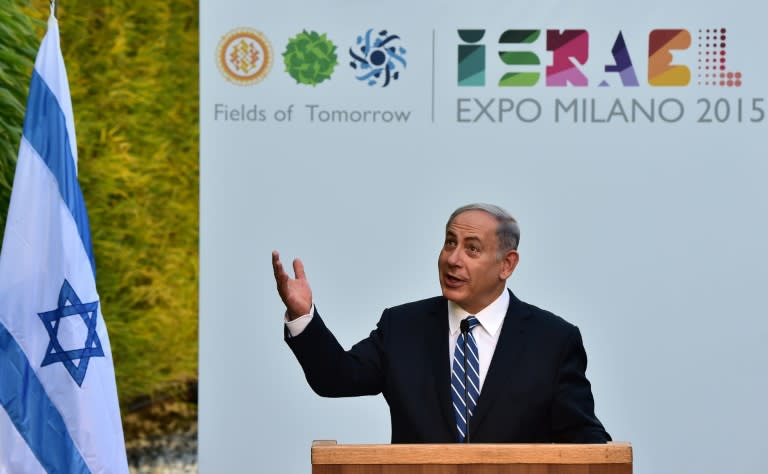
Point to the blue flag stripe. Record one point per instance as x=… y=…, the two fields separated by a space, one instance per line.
x=46 y=130
x=32 y=412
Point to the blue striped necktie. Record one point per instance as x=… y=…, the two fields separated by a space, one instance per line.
x=463 y=409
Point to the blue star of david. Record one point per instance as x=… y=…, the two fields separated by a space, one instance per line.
x=70 y=305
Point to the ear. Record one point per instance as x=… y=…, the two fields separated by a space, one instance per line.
x=508 y=264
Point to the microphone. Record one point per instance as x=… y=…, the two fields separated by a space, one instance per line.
x=464 y=326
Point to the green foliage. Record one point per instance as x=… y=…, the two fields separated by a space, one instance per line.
x=133 y=76
x=310 y=58
x=18 y=46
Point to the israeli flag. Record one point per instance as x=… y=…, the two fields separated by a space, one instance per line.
x=58 y=400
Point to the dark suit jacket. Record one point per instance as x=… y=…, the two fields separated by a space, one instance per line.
x=535 y=391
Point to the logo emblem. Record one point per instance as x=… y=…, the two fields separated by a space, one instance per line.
x=310 y=58
x=69 y=305
x=377 y=58
x=244 y=56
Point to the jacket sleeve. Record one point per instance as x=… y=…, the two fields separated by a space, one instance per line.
x=333 y=372
x=573 y=408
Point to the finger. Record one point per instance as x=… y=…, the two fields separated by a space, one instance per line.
x=298 y=269
x=277 y=266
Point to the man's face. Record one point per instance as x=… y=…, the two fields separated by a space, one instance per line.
x=470 y=274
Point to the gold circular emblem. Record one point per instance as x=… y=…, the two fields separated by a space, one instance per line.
x=244 y=56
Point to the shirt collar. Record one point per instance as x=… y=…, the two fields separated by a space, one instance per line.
x=490 y=317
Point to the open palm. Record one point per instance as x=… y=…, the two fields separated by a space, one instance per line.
x=295 y=292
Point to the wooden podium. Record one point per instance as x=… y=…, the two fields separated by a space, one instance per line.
x=328 y=457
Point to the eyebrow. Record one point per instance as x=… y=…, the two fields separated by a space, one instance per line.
x=474 y=238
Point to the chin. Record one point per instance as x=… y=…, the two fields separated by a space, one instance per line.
x=452 y=295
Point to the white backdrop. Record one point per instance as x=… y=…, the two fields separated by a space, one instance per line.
x=648 y=236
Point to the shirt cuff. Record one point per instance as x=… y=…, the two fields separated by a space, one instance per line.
x=298 y=325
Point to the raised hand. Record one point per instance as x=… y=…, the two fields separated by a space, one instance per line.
x=295 y=292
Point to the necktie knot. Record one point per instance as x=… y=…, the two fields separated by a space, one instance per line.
x=471 y=322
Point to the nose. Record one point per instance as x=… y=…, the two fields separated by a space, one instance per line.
x=454 y=257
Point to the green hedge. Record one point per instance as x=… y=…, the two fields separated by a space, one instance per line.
x=18 y=46
x=133 y=75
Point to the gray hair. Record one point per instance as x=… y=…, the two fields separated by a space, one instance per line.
x=507 y=232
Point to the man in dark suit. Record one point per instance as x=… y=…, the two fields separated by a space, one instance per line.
x=529 y=382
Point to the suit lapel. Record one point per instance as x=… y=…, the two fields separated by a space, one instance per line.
x=509 y=348
x=436 y=343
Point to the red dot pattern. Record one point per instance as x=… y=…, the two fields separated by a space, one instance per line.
x=712 y=41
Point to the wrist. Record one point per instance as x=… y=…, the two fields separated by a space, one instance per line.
x=291 y=315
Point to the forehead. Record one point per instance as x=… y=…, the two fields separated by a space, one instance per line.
x=473 y=223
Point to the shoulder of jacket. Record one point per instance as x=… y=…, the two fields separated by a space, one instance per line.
x=547 y=319
x=426 y=306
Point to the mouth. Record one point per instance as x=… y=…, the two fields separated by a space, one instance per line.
x=452 y=281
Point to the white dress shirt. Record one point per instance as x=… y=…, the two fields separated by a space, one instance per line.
x=486 y=333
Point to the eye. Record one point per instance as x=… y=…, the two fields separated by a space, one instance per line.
x=449 y=243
